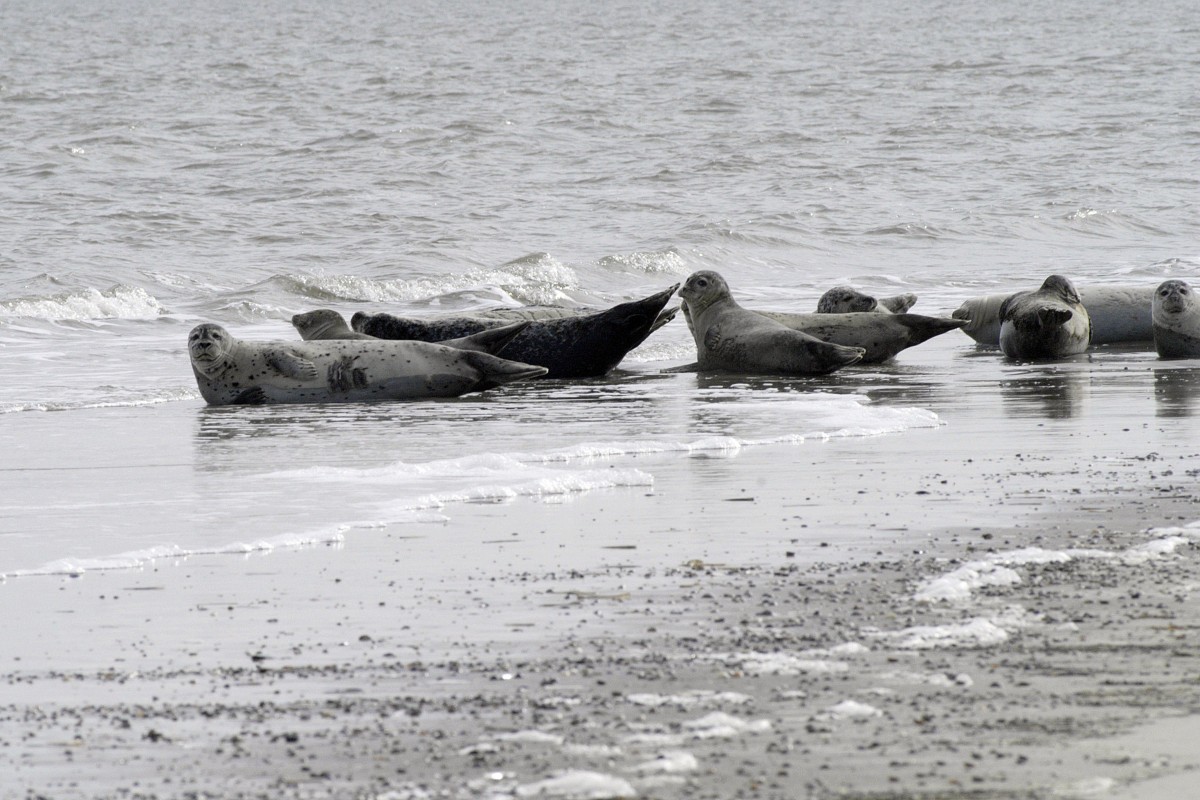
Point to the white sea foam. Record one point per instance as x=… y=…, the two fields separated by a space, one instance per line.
x=150 y=397
x=781 y=663
x=719 y=725
x=696 y=697
x=119 y=302
x=537 y=279
x=140 y=558
x=669 y=761
x=530 y=737
x=978 y=632
x=851 y=709
x=996 y=568
x=834 y=411
x=579 y=785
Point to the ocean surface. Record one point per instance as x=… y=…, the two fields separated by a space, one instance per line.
x=162 y=166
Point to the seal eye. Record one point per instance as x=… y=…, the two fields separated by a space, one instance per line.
x=702 y=283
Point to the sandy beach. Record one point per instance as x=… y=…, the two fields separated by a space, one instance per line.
x=999 y=606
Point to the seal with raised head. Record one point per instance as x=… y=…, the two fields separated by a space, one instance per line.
x=1049 y=322
x=848 y=300
x=1119 y=314
x=232 y=371
x=325 y=323
x=1176 y=315
x=734 y=339
x=881 y=336
x=584 y=346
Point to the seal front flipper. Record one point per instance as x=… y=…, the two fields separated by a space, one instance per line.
x=291 y=365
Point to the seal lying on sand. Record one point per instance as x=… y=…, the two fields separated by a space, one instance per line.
x=731 y=338
x=881 y=336
x=1119 y=314
x=1050 y=322
x=1176 y=315
x=848 y=300
x=234 y=371
x=581 y=346
x=325 y=323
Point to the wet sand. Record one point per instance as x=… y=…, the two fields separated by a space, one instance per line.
x=612 y=646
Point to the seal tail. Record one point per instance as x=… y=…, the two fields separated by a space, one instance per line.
x=922 y=328
x=496 y=371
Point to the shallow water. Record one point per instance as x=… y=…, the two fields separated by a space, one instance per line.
x=239 y=164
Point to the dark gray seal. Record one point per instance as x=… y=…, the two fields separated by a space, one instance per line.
x=232 y=371
x=583 y=346
x=326 y=323
x=1176 y=318
x=1047 y=323
x=734 y=339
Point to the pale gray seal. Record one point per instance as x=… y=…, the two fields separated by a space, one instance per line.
x=235 y=371
x=1176 y=315
x=325 y=323
x=848 y=300
x=881 y=336
x=1049 y=322
x=734 y=339
x=1119 y=314
x=583 y=346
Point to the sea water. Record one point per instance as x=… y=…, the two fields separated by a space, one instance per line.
x=162 y=166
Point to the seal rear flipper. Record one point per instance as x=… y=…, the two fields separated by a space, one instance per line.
x=922 y=328
x=496 y=371
x=898 y=304
x=291 y=365
x=491 y=341
x=664 y=316
x=1053 y=317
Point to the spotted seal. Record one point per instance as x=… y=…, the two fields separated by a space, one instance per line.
x=325 y=323
x=1176 y=315
x=734 y=339
x=1047 y=323
x=1119 y=315
x=583 y=346
x=232 y=371
x=881 y=336
x=848 y=300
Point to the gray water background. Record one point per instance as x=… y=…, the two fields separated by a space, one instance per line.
x=166 y=164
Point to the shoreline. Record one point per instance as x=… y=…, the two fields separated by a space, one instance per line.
x=699 y=679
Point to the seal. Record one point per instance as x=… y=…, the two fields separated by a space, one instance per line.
x=325 y=323
x=582 y=346
x=1119 y=314
x=734 y=339
x=232 y=371
x=881 y=336
x=848 y=300
x=1176 y=315
x=1047 y=323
